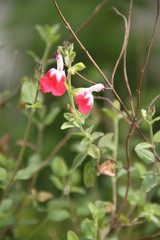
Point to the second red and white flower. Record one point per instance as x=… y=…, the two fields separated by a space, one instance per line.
x=85 y=98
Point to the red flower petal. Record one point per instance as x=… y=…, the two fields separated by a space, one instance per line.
x=45 y=84
x=54 y=82
x=85 y=102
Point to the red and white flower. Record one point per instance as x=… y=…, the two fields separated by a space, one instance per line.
x=85 y=98
x=54 y=81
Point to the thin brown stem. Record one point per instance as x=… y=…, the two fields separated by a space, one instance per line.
x=124 y=60
x=85 y=79
x=154 y=100
x=94 y=13
x=21 y=153
x=91 y=59
x=147 y=57
x=152 y=236
x=112 y=104
x=12 y=95
x=80 y=44
x=55 y=150
x=123 y=47
x=128 y=174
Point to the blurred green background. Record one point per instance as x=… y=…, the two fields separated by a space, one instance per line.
x=103 y=38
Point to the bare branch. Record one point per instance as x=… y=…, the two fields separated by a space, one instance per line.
x=147 y=57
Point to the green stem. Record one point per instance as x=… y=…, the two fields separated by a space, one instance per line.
x=39 y=228
x=20 y=157
x=114 y=177
x=46 y=53
x=153 y=147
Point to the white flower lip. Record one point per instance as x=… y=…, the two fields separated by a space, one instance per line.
x=96 y=88
x=60 y=64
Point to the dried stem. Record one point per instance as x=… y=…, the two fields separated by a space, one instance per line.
x=85 y=24
x=112 y=104
x=124 y=52
x=154 y=100
x=91 y=59
x=95 y=12
x=128 y=173
x=12 y=95
x=147 y=57
x=80 y=44
x=123 y=47
x=152 y=236
x=20 y=157
x=55 y=150
x=124 y=61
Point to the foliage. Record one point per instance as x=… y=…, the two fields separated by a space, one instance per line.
x=90 y=171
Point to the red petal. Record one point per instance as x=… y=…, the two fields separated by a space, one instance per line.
x=45 y=84
x=84 y=103
x=53 y=82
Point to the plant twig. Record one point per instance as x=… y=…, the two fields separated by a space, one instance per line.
x=123 y=47
x=20 y=157
x=128 y=173
x=147 y=57
x=55 y=150
x=80 y=44
x=152 y=236
x=112 y=104
x=94 y=13
x=92 y=60
x=124 y=60
x=12 y=95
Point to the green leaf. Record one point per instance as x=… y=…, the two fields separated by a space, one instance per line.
x=58 y=215
x=78 y=160
x=106 y=141
x=96 y=135
x=150 y=218
x=27 y=172
x=97 y=210
x=143 y=145
x=59 y=166
x=57 y=182
x=144 y=154
x=77 y=67
x=72 y=236
x=3 y=161
x=110 y=113
x=89 y=229
x=68 y=116
x=133 y=196
x=93 y=151
x=152 y=208
x=155 y=120
x=34 y=56
x=48 y=33
x=79 y=190
x=67 y=125
x=5 y=205
x=3 y=174
x=157 y=137
x=89 y=174
x=149 y=181
x=28 y=92
x=34 y=106
x=51 y=116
